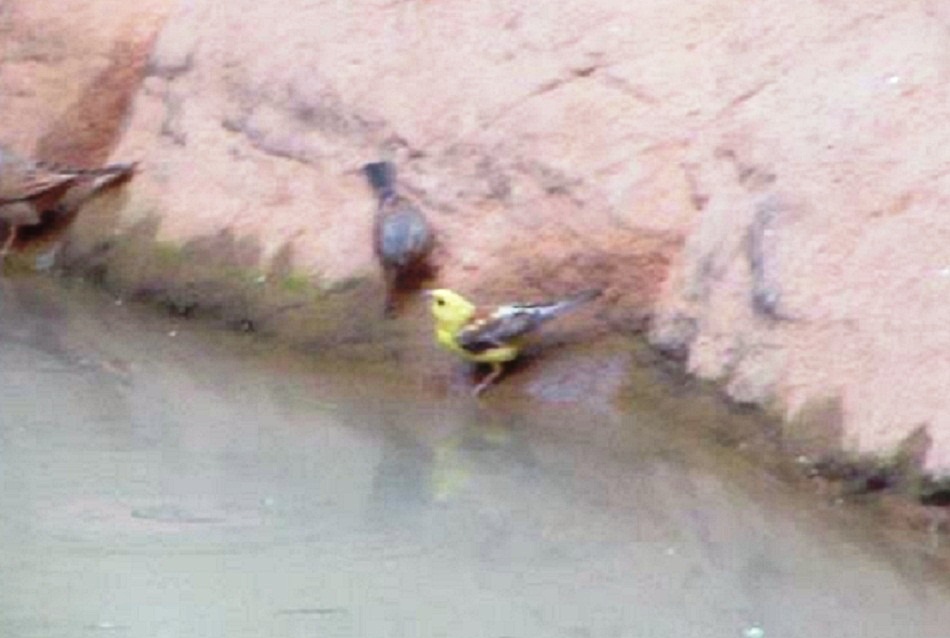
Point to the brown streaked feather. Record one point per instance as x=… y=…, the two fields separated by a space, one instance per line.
x=26 y=184
x=30 y=188
x=92 y=182
x=19 y=213
x=23 y=179
x=27 y=211
x=34 y=185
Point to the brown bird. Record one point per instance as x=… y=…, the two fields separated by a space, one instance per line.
x=28 y=188
x=402 y=237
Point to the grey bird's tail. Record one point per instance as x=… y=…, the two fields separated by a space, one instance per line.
x=382 y=178
x=545 y=311
x=574 y=300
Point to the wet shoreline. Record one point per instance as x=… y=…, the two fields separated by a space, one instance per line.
x=605 y=373
x=161 y=475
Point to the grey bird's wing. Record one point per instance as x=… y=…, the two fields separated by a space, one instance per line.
x=498 y=329
x=403 y=236
x=511 y=321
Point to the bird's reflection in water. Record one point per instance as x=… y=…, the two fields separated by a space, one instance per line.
x=400 y=486
x=418 y=470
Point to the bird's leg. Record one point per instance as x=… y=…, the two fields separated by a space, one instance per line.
x=496 y=370
x=389 y=309
x=8 y=242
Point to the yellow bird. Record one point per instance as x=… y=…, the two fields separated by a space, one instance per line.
x=492 y=335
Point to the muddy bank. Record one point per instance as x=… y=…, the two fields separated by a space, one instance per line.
x=610 y=378
x=759 y=190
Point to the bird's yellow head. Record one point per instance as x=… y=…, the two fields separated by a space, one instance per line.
x=450 y=309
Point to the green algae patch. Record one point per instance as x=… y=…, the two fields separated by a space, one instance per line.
x=168 y=253
x=220 y=278
x=296 y=283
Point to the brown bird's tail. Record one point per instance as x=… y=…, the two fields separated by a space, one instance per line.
x=111 y=174
x=125 y=168
x=91 y=181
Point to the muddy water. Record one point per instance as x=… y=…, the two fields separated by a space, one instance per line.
x=157 y=481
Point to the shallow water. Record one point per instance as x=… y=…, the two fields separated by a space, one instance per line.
x=160 y=479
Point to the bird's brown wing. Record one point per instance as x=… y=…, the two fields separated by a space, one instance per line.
x=497 y=329
x=94 y=181
x=33 y=185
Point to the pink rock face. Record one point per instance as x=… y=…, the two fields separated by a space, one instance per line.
x=818 y=268
x=257 y=119
x=68 y=72
x=765 y=181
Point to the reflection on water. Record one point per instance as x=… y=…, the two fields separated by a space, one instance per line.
x=157 y=485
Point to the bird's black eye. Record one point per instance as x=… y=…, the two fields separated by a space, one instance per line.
x=441 y=302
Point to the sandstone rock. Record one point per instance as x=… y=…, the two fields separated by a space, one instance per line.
x=821 y=239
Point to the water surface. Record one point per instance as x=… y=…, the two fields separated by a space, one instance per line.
x=161 y=480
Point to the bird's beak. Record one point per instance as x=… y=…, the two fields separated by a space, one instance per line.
x=426 y=294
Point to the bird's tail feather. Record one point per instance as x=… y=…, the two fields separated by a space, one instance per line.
x=382 y=178
x=546 y=311
x=92 y=182
x=110 y=170
x=125 y=168
x=558 y=308
x=114 y=173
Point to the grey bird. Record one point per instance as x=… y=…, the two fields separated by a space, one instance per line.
x=29 y=188
x=402 y=237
